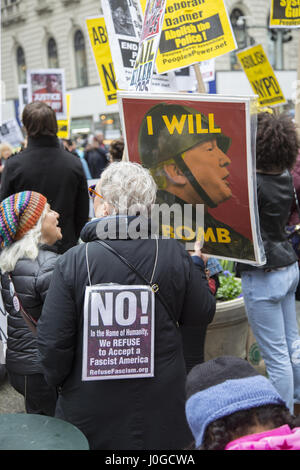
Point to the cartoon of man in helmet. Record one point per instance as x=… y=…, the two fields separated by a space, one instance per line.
x=186 y=153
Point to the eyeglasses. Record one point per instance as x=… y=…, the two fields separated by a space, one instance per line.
x=93 y=193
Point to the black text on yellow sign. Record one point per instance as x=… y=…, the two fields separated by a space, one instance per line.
x=261 y=76
x=285 y=13
x=101 y=50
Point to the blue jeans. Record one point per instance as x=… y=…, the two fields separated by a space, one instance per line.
x=271 y=310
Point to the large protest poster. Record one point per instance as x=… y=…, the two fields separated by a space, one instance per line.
x=48 y=85
x=285 y=13
x=198 y=150
x=150 y=35
x=64 y=125
x=102 y=55
x=11 y=133
x=124 y=20
x=193 y=31
x=118 y=332
x=261 y=76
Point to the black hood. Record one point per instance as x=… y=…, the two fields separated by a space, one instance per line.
x=115 y=227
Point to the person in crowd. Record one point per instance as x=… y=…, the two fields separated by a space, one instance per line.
x=96 y=157
x=230 y=406
x=47 y=168
x=116 y=149
x=28 y=230
x=192 y=168
x=127 y=415
x=269 y=290
x=6 y=151
x=70 y=146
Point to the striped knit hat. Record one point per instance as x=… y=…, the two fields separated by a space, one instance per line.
x=18 y=214
x=221 y=387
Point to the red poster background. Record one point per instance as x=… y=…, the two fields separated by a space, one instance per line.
x=231 y=118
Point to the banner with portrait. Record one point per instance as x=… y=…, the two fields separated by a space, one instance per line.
x=48 y=85
x=124 y=21
x=193 y=31
x=285 y=14
x=201 y=152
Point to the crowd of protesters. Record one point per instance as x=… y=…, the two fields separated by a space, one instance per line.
x=51 y=252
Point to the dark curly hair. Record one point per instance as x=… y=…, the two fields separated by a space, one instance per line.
x=224 y=430
x=277 y=142
x=116 y=149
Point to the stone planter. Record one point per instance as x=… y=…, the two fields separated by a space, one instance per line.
x=227 y=334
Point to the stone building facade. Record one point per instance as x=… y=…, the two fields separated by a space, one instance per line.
x=52 y=33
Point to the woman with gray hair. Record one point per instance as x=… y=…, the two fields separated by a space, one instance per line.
x=28 y=229
x=134 y=307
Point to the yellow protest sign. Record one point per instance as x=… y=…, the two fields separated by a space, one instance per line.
x=64 y=124
x=102 y=55
x=261 y=76
x=285 y=13
x=193 y=31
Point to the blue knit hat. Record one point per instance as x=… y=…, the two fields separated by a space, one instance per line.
x=222 y=386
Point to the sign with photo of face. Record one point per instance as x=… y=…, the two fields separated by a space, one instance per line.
x=199 y=152
x=48 y=85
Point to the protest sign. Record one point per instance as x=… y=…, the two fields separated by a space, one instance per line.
x=23 y=98
x=64 y=124
x=48 y=85
x=102 y=55
x=198 y=149
x=261 y=76
x=124 y=21
x=145 y=61
x=11 y=133
x=285 y=13
x=118 y=334
x=193 y=31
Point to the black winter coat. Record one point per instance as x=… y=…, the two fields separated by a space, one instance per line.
x=57 y=174
x=134 y=414
x=97 y=161
x=31 y=279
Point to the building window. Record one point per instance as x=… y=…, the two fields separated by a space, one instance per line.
x=80 y=59
x=52 y=54
x=21 y=65
x=239 y=26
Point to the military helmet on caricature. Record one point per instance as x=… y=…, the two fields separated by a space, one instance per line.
x=157 y=145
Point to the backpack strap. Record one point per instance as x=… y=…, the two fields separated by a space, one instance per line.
x=154 y=286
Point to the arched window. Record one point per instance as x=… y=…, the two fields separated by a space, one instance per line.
x=80 y=59
x=21 y=65
x=52 y=54
x=239 y=26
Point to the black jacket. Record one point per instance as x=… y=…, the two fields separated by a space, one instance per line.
x=142 y=413
x=52 y=171
x=275 y=196
x=97 y=160
x=31 y=279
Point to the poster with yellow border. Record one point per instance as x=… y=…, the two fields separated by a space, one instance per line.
x=261 y=76
x=101 y=51
x=64 y=124
x=193 y=31
x=285 y=13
